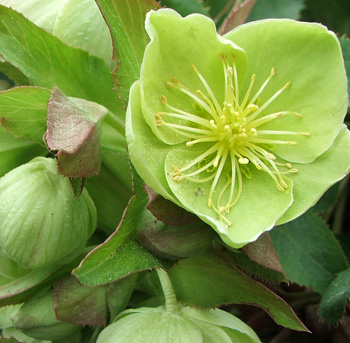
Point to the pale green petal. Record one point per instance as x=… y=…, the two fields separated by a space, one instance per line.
x=151 y=327
x=78 y=23
x=42 y=12
x=221 y=318
x=147 y=152
x=315 y=178
x=257 y=210
x=176 y=44
x=310 y=57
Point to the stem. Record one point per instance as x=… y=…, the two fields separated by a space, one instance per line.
x=171 y=304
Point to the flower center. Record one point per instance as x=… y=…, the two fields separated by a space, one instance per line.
x=231 y=134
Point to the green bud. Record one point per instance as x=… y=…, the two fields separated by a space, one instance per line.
x=41 y=222
x=37 y=319
x=10 y=270
x=173 y=242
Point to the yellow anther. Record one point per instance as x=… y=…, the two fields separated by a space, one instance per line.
x=163 y=99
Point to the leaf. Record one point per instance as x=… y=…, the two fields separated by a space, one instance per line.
x=14 y=74
x=118 y=256
x=186 y=7
x=129 y=40
x=78 y=304
x=276 y=9
x=17 y=151
x=308 y=251
x=110 y=195
x=23 y=112
x=237 y=16
x=46 y=61
x=8 y=340
x=119 y=293
x=72 y=130
x=211 y=280
x=263 y=252
x=19 y=289
x=332 y=305
x=129 y=258
x=345 y=46
x=334 y=14
x=252 y=267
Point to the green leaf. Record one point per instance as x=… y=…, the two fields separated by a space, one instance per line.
x=110 y=195
x=73 y=130
x=46 y=61
x=260 y=259
x=335 y=297
x=78 y=304
x=8 y=340
x=334 y=14
x=118 y=294
x=210 y=280
x=345 y=46
x=129 y=40
x=129 y=258
x=276 y=9
x=22 y=288
x=308 y=251
x=23 y=112
x=17 y=151
x=186 y=7
x=119 y=255
x=13 y=73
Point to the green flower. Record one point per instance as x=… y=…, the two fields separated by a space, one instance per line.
x=246 y=130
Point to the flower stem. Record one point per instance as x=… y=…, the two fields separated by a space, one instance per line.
x=171 y=303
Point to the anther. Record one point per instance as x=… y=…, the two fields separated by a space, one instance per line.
x=243 y=160
x=163 y=99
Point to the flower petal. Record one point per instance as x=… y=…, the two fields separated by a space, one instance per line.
x=176 y=44
x=318 y=176
x=257 y=210
x=310 y=57
x=146 y=150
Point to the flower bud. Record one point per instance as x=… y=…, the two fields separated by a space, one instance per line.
x=37 y=319
x=173 y=242
x=41 y=223
x=188 y=325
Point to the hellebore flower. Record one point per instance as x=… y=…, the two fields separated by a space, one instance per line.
x=246 y=130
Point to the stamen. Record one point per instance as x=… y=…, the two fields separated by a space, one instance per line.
x=272 y=73
x=273 y=132
x=258 y=122
x=233 y=132
x=249 y=90
x=202 y=156
x=208 y=89
x=186 y=116
x=217 y=176
x=268 y=102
